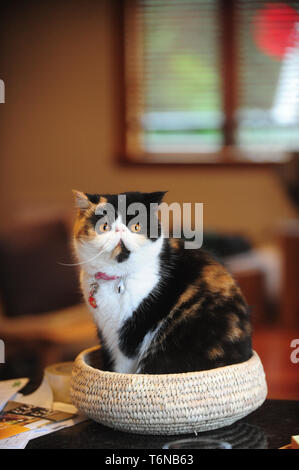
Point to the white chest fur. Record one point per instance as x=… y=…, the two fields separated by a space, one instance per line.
x=113 y=308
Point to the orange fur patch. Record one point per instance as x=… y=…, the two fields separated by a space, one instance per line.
x=247 y=328
x=82 y=228
x=215 y=353
x=185 y=314
x=116 y=251
x=191 y=311
x=174 y=243
x=234 y=332
x=218 y=279
x=187 y=295
x=79 y=226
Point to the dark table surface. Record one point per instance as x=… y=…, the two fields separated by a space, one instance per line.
x=269 y=427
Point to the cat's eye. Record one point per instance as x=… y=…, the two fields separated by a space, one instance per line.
x=104 y=227
x=135 y=228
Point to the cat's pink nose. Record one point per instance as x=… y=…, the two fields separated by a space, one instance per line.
x=119 y=229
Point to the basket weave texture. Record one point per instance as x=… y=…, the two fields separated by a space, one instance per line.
x=169 y=403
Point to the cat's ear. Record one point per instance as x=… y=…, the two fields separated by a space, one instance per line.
x=156 y=197
x=82 y=201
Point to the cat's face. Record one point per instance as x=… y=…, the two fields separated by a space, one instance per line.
x=114 y=227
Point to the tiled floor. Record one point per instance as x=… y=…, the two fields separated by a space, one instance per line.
x=273 y=346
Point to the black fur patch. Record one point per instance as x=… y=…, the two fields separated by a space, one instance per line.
x=94 y=198
x=197 y=340
x=124 y=254
x=131 y=197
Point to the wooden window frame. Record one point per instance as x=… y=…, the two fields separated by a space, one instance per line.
x=132 y=153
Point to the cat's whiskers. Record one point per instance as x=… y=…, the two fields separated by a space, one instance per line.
x=103 y=250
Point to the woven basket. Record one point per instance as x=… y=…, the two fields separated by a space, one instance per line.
x=170 y=403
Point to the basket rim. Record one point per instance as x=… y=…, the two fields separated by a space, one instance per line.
x=81 y=362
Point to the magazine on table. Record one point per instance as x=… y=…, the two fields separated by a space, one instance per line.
x=17 y=418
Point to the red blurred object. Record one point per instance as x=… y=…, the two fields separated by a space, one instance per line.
x=274 y=29
x=92 y=301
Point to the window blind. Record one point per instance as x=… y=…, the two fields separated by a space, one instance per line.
x=173 y=84
x=268 y=75
x=176 y=85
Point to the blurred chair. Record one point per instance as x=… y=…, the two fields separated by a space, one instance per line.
x=248 y=266
x=258 y=273
x=252 y=284
x=42 y=307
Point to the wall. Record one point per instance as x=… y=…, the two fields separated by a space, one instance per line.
x=60 y=126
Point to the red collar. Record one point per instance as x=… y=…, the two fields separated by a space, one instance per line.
x=94 y=287
x=105 y=276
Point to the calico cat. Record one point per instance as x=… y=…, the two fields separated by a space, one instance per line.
x=159 y=308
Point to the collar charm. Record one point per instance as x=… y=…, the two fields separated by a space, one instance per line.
x=94 y=287
x=121 y=287
x=93 y=290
